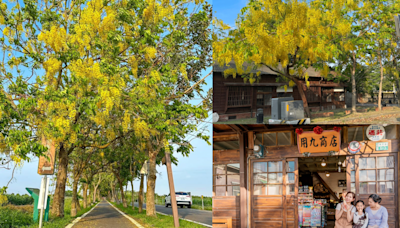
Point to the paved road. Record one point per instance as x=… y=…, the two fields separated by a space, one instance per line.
x=187 y=213
x=102 y=216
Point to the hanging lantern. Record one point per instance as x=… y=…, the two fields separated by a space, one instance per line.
x=327 y=174
x=323 y=162
x=339 y=164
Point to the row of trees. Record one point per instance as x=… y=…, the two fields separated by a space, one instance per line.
x=291 y=36
x=109 y=82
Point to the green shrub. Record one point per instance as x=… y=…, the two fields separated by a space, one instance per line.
x=14 y=218
x=20 y=199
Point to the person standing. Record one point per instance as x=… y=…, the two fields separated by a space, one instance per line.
x=378 y=214
x=345 y=211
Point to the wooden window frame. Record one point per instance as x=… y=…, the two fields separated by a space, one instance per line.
x=254 y=174
x=242 y=89
x=363 y=131
x=376 y=169
x=226 y=178
x=272 y=94
x=292 y=138
x=287 y=184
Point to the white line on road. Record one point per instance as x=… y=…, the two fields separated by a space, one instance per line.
x=79 y=218
x=186 y=220
x=126 y=216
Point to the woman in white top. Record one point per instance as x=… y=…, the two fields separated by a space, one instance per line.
x=345 y=211
x=360 y=218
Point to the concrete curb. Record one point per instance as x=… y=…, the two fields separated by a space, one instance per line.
x=126 y=216
x=187 y=220
x=79 y=218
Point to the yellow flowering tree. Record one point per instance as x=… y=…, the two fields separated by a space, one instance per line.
x=286 y=36
x=88 y=73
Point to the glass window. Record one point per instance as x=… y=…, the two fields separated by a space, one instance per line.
x=290 y=177
x=390 y=131
x=264 y=95
x=284 y=138
x=376 y=175
x=269 y=139
x=356 y=134
x=274 y=139
x=226 y=179
x=268 y=178
x=239 y=96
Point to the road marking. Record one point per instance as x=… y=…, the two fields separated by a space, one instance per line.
x=186 y=220
x=79 y=218
x=128 y=217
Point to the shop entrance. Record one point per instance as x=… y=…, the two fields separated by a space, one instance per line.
x=321 y=183
x=304 y=191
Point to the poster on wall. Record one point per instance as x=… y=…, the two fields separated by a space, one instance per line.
x=300 y=215
x=316 y=215
x=307 y=215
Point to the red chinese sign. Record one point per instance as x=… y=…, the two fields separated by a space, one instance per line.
x=320 y=142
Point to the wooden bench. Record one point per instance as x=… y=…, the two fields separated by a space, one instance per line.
x=225 y=222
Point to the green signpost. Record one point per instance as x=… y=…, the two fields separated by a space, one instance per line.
x=35 y=195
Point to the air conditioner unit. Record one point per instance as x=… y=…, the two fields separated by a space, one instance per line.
x=276 y=106
x=292 y=110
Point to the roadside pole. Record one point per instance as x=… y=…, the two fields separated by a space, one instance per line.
x=43 y=198
x=172 y=189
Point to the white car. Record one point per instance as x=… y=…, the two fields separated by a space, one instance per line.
x=182 y=199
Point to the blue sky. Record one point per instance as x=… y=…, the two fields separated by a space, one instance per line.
x=227 y=11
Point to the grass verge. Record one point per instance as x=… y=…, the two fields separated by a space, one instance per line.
x=22 y=216
x=161 y=221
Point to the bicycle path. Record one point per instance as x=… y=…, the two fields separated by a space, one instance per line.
x=102 y=216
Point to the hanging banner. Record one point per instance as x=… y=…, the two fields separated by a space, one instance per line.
x=46 y=163
x=320 y=142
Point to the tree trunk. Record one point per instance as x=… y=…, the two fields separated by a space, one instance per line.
x=85 y=188
x=151 y=185
x=121 y=187
x=380 y=84
x=133 y=198
x=398 y=91
x=75 y=200
x=59 y=194
x=140 y=196
x=90 y=194
x=303 y=97
x=353 y=84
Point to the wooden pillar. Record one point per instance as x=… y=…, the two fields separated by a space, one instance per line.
x=172 y=190
x=243 y=179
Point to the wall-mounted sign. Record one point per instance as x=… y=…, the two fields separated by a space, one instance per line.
x=309 y=141
x=375 y=132
x=46 y=163
x=382 y=146
x=354 y=147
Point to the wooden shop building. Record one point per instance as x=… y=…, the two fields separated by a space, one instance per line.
x=235 y=99
x=308 y=166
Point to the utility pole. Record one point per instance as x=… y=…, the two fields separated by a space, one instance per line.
x=172 y=188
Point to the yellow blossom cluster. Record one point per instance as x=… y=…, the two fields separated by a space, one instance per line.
x=140 y=127
x=150 y=53
x=56 y=38
x=305 y=29
x=52 y=66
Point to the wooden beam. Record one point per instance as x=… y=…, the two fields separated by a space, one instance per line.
x=243 y=180
x=326 y=186
x=255 y=84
